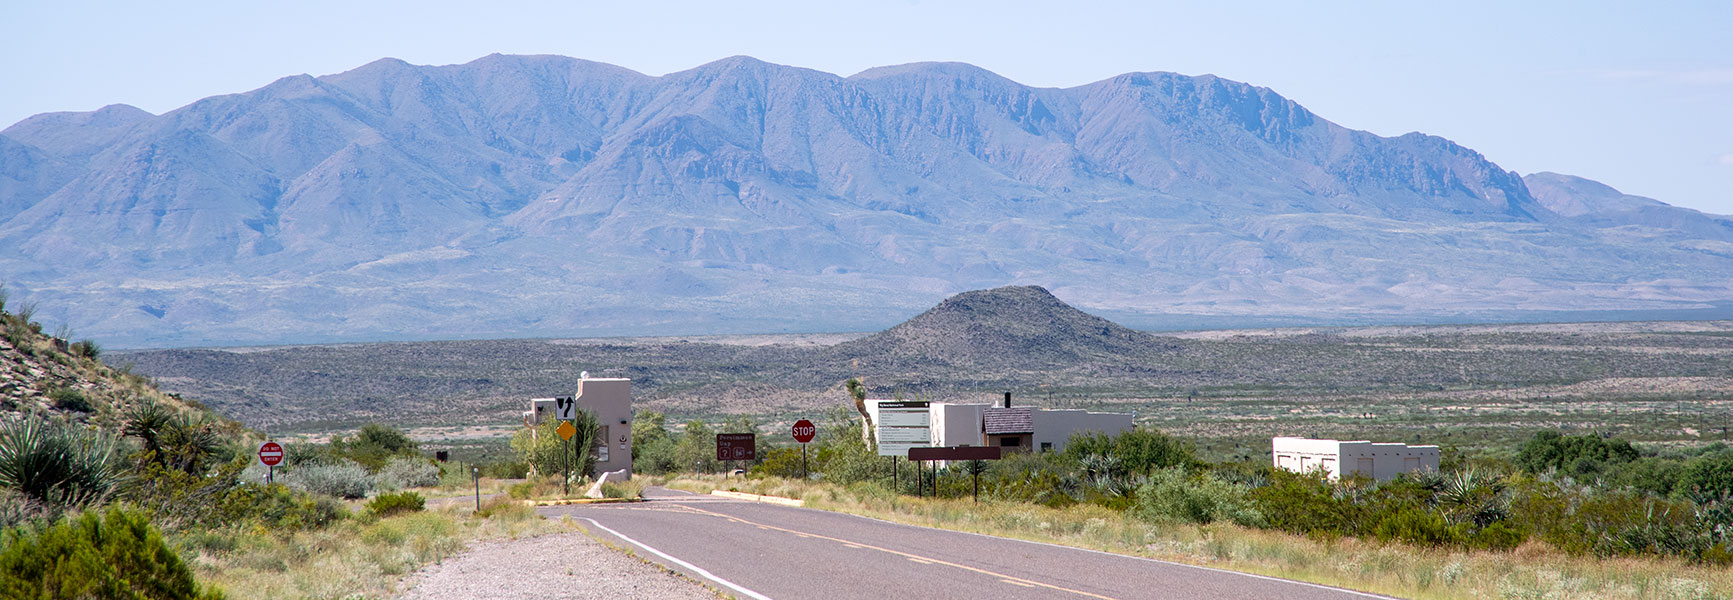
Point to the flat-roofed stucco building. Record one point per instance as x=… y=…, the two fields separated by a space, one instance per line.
x=1020 y=427
x=610 y=400
x=1335 y=458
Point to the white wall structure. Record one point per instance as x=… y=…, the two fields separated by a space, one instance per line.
x=1336 y=458
x=1023 y=427
x=610 y=400
x=1053 y=428
x=958 y=424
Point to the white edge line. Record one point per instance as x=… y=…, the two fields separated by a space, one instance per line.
x=1113 y=554
x=695 y=568
x=1133 y=557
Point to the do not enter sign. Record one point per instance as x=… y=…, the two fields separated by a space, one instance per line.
x=804 y=430
x=271 y=454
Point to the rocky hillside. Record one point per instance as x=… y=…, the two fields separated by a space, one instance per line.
x=543 y=195
x=1008 y=327
x=44 y=374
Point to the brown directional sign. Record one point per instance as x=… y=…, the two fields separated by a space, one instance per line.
x=955 y=453
x=736 y=446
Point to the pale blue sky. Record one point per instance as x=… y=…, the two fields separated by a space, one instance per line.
x=1637 y=96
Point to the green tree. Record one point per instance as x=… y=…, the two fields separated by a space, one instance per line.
x=375 y=445
x=696 y=449
x=1136 y=451
x=1580 y=455
x=114 y=555
x=546 y=452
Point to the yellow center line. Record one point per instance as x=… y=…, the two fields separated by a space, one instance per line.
x=1011 y=579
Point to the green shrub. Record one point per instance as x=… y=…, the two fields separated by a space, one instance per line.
x=112 y=555
x=549 y=454
x=86 y=348
x=1137 y=451
x=388 y=504
x=506 y=469
x=1305 y=503
x=277 y=507
x=1035 y=477
x=780 y=462
x=1708 y=476
x=1172 y=494
x=623 y=489
x=16 y=509
x=506 y=510
x=345 y=479
x=1579 y=455
x=60 y=465
x=373 y=446
x=407 y=472
x=70 y=399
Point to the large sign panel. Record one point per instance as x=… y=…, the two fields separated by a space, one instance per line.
x=902 y=425
x=736 y=446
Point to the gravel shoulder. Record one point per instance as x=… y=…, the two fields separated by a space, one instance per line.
x=560 y=566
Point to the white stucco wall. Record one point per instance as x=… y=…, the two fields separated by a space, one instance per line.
x=958 y=424
x=610 y=400
x=1380 y=461
x=1055 y=427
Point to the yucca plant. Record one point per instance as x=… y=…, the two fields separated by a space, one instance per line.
x=58 y=464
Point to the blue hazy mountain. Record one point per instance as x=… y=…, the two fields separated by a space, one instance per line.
x=549 y=196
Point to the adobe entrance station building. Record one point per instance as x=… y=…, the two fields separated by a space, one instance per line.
x=1009 y=427
x=1378 y=461
x=610 y=400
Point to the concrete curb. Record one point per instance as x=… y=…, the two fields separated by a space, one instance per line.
x=758 y=498
x=581 y=501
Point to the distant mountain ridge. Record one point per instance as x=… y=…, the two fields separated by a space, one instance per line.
x=544 y=195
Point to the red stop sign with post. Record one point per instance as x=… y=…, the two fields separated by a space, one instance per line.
x=804 y=430
x=271 y=454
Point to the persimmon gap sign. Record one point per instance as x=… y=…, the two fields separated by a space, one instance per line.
x=736 y=446
x=271 y=453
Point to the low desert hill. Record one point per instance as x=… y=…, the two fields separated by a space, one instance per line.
x=971 y=347
x=1018 y=327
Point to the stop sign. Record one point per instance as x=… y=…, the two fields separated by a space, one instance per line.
x=271 y=454
x=803 y=431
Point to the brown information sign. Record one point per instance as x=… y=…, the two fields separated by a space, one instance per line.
x=736 y=446
x=955 y=453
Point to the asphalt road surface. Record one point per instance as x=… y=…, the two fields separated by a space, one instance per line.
x=758 y=550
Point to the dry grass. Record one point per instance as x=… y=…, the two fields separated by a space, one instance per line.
x=1531 y=571
x=356 y=558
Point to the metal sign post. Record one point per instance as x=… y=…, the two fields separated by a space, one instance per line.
x=566 y=409
x=270 y=453
x=803 y=432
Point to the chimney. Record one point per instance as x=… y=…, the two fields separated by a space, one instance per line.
x=1007 y=399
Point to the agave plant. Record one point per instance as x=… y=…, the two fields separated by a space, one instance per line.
x=58 y=464
x=1473 y=496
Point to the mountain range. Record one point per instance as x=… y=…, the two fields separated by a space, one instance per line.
x=524 y=196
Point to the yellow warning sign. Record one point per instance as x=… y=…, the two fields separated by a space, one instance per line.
x=566 y=430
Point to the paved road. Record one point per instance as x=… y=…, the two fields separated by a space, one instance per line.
x=758 y=550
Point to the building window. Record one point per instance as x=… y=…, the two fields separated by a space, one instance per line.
x=1008 y=442
x=1046 y=446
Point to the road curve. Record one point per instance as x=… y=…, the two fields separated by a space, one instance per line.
x=758 y=550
